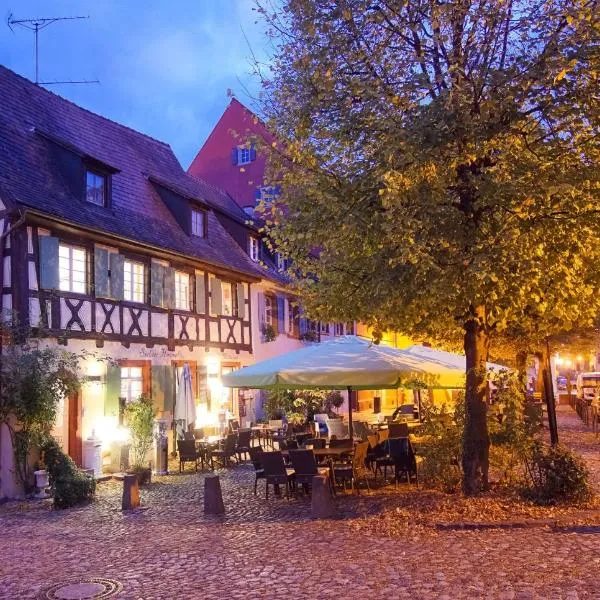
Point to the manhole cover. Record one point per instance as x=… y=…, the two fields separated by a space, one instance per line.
x=94 y=588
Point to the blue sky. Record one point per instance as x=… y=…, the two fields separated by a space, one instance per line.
x=164 y=66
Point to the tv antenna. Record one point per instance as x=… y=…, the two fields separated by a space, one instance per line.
x=36 y=25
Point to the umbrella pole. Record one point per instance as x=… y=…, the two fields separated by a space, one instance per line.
x=350 y=427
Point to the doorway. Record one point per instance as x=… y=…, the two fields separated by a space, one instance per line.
x=74 y=446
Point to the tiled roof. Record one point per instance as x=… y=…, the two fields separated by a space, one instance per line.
x=30 y=175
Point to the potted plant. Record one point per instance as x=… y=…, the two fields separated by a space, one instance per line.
x=140 y=420
x=42 y=479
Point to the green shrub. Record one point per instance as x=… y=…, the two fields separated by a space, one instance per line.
x=555 y=474
x=69 y=485
x=441 y=466
x=139 y=417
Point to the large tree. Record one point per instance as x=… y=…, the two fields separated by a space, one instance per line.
x=439 y=169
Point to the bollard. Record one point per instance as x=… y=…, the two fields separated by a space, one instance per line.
x=213 y=499
x=131 y=492
x=322 y=503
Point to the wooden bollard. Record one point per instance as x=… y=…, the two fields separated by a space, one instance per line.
x=131 y=492
x=321 y=504
x=213 y=499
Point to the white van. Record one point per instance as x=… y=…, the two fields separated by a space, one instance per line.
x=587 y=385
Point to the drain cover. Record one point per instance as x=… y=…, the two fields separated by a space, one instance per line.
x=94 y=588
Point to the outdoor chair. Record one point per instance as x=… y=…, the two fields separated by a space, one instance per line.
x=360 y=430
x=187 y=453
x=300 y=437
x=276 y=473
x=397 y=430
x=243 y=443
x=224 y=455
x=320 y=422
x=383 y=458
x=336 y=427
x=234 y=426
x=305 y=468
x=341 y=443
x=354 y=471
x=188 y=435
x=373 y=450
x=256 y=453
x=198 y=433
x=288 y=444
x=383 y=435
x=403 y=457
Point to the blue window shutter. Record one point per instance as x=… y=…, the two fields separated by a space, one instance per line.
x=200 y=294
x=113 y=390
x=216 y=297
x=49 y=262
x=241 y=298
x=257 y=194
x=101 y=272
x=280 y=314
x=169 y=288
x=234 y=156
x=116 y=276
x=157 y=275
x=252 y=154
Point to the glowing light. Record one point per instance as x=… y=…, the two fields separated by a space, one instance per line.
x=558 y=361
x=204 y=418
x=213 y=365
x=568 y=362
x=580 y=358
x=108 y=430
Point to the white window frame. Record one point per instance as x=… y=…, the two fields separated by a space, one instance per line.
x=253 y=248
x=132 y=279
x=182 y=290
x=269 y=309
x=132 y=380
x=96 y=174
x=280 y=261
x=243 y=156
x=72 y=279
x=198 y=222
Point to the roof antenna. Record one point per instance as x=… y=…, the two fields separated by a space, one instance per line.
x=36 y=25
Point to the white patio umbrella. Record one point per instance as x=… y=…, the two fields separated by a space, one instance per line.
x=347 y=362
x=442 y=358
x=185 y=406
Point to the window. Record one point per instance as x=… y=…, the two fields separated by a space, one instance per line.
x=229 y=299
x=280 y=262
x=72 y=269
x=269 y=309
x=95 y=188
x=253 y=248
x=293 y=320
x=244 y=156
x=133 y=281
x=198 y=222
x=267 y=193
x=131 y=383
x=324 y=328
x=182 y=290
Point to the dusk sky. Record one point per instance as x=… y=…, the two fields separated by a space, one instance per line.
x=164 y=67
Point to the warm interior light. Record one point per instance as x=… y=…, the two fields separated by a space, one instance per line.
x=213 y=365
x=108 y=430
x=558 y=361
x=568 y=362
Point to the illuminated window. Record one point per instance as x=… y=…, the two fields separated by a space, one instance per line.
x=131 y=383
x=95 y=188
x=133 y=281
x=230 y=299
x=269 y=309
x=72 y=269
x=253 y=248
x=198 y=222
x=182 y=290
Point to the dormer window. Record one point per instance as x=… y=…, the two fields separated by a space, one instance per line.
x=96 y=187
x=198 y=222
x=253 y=248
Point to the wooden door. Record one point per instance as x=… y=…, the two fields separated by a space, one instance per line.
x=74 y=442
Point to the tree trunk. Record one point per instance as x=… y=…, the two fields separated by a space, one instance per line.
x=549 y=394
x=476 y=442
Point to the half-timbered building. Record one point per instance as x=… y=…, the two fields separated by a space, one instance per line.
x=109 y=246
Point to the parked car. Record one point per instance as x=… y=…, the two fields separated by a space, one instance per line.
x=588 y=385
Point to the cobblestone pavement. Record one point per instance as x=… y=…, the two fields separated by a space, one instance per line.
x=272 y=549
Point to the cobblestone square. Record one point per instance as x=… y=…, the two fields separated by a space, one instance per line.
x=272 y=549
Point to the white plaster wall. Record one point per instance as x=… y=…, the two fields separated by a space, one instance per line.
x=35 y=315
x=33 y=285
x=160 y=325
x=6 y=278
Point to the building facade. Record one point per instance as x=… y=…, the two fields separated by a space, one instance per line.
x=111 y=249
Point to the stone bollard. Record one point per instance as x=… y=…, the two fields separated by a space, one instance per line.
x=213 y=499
x=322 y=503
x=131 y=492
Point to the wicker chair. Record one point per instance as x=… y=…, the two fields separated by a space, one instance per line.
x=276 y=473
x=305 y=468
x=354 y=471
x=224 y=455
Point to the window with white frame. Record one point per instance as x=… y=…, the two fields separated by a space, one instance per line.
x=133 y=281
x=280 y=261
x=243 y=156
x=229 y=298
x=198 y=222
x=253 y=248
x=72 y=269
x=182 y=290
x=131 y=383
x=269 y=310
x=95 y=188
